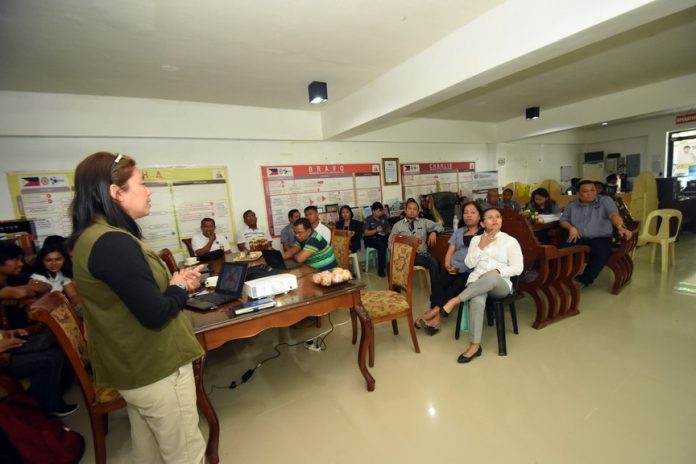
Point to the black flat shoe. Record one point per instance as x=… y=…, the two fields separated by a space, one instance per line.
x=431 y=330
x=463 y=359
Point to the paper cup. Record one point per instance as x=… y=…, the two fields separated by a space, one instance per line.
x=211 y=281
x=191 y=261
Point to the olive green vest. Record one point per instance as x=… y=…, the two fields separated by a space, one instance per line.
x=124 y=354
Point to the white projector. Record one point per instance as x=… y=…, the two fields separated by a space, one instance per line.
x=271 y=285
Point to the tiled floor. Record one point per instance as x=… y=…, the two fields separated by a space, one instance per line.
x=613 y=385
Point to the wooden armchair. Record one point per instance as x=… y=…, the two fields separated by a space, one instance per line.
x=55 y=312
x=189 y=246
x=397 y=301
x=340 y=242
x=168 y=258
x=548 y=272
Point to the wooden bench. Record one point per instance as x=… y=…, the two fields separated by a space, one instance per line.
x=548 y=272
x=621 y=263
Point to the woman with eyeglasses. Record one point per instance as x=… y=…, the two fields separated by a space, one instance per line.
x=494 y=258
x=140 y=342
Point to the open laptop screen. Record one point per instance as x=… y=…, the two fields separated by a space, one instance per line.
x=231 y=279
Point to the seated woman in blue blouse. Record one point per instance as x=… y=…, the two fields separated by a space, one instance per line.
x=542 y=203
x=451 y=283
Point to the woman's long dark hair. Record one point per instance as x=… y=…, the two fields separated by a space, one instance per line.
x=461 y=222
x=53 y=243
x=548 y=206
x=93 y=178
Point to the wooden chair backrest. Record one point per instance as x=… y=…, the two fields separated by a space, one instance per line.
x=403 y=255
x=340 y=242
x=168 y=258
x=55 y=312
x=518 y=226
x=189 y=247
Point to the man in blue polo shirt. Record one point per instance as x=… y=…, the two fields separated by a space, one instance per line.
x=589 y=220
x=311 y=248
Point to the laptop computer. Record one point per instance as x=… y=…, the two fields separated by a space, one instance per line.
x=274 y=259
x=229 y=287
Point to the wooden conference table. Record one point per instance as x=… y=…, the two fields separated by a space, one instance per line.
x=215 y=328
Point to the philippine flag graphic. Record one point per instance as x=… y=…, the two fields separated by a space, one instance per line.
x=31 y=182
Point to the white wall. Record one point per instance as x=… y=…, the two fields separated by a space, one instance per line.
x=530 y=163
x=242 y=158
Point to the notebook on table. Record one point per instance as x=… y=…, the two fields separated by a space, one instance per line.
x=229 y=287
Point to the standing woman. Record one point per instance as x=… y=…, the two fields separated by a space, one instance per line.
x=348 y=223
x=139 y=340
x=494 y=257
x=453 y=281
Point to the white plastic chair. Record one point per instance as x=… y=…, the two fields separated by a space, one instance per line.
x=662 y=236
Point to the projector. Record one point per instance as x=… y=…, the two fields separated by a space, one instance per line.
x=271 y=285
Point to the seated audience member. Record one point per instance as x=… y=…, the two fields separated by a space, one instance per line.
x=612 y=185
x=311 y=248
x=492 y=200
x=425 y=211
x=600 y=188
x=424 y=229
x=250 y=232
x=508 y=202
x=312 y=215
x=573 y=188
x=16 y=286
x=542 y=203
x=43 y=367
x=347 y=222
x=494 y=258
x=54 y=267
x=375 y=232
x=589 y=220
x=208 y=240
x=287 y=235
x=453 y=280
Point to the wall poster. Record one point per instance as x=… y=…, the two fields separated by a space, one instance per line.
x=424 y=178
x=297 y=186
x=180 y=198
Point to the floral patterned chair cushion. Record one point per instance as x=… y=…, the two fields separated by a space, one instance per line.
x=400 y=257
x=383 y=303
x=64 y=317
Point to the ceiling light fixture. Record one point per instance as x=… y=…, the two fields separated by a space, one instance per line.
x=532 y=112
x=318 y=92
x=605 y=123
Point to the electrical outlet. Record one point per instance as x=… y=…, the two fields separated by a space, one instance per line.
x=312 y=346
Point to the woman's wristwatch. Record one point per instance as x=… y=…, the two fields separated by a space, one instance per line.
x=181 y=286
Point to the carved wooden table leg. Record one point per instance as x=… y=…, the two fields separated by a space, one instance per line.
x=203 y=401
x=366 y=337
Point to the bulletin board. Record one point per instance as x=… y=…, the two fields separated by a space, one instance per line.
x=180 y=198
x=297 y=186
x=425 y=178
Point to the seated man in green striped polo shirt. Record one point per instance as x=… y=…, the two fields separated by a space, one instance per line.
x=311 y=248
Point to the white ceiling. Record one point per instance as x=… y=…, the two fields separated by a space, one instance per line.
x=264 y=53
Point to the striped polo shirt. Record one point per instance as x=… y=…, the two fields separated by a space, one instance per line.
x=322 y=254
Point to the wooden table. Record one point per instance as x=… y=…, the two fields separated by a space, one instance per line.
x=215 y=328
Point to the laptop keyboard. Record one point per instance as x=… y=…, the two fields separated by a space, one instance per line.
x=216 y=298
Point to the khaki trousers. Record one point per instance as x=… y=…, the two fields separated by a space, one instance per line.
x=164 y=420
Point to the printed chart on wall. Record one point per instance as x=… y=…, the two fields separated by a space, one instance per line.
x=298 y=186
x=424 y=178
x=180 y=198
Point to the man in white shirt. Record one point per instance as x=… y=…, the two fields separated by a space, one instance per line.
x=312 y=215
x=207 y=240
x=250 y=232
